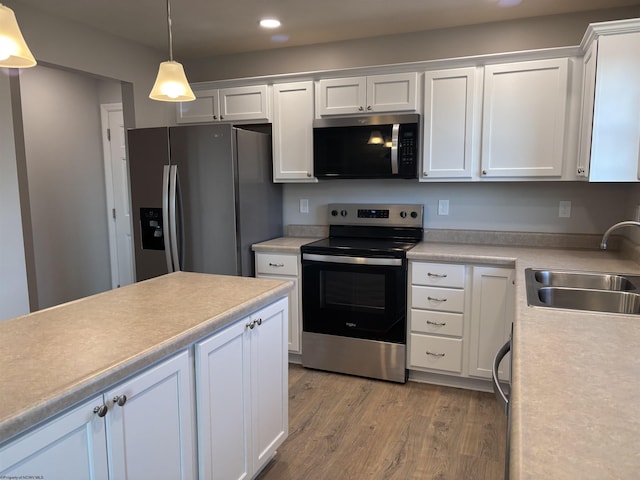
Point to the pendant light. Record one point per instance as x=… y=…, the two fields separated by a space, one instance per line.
x=14 y=52
x=171 y=83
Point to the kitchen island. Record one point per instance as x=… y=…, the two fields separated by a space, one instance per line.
x=55 y=358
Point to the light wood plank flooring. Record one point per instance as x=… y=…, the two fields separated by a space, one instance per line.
x=344 y=427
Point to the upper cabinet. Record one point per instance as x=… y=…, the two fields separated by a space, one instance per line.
x=451 y=123
x=250 y=103
x=610 y=127
x=292 y=132
x=524 y=116
x=371 y=94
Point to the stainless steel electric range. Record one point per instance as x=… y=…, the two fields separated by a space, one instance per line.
x=354 y=290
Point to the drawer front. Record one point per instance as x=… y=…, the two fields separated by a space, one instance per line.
x=442 y=299
x=439 y=323
x=437 y=274
x=438 y=353
x=276 y=264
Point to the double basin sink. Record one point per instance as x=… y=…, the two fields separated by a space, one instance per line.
x=590 y=291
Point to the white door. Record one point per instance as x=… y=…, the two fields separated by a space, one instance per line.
x=117 y=188
x=151 y=430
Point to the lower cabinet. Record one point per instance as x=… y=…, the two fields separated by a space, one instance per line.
x=459 y=316
x=241 y=392
x=142 y=428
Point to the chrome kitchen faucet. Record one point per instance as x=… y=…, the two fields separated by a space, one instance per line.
x=605 y=237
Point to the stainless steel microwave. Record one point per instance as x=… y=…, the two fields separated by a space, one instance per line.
x=377 y=146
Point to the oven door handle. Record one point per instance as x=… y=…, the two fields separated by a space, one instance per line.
x=351 y=260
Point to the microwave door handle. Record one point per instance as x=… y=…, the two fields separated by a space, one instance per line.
x=394 y=148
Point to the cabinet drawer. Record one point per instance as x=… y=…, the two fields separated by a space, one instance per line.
x=432 y=298
x=437 y=274
x=440 y=323
x=276 y=264
x=439 y=353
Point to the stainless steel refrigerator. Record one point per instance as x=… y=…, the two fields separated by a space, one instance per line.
x=200 y=196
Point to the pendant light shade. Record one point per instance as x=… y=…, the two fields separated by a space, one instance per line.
x=171 y=83
x=14 y=52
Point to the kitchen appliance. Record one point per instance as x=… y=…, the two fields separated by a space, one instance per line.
x=380 y=146
x=201 y=195
x=354 y=290
x=502 y=395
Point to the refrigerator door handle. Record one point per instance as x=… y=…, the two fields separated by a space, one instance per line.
x=173 y=232
x=165 y=217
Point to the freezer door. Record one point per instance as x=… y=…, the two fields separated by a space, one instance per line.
x=204 y=157
x=148 y=154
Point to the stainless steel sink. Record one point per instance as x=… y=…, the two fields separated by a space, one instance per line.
x=598 y=281
x=589 y=291
x=591 y=300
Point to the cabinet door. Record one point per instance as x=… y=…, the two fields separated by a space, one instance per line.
x=152 y=434
x=586 y=118
x=295 y=320
x=269 y=382
x=244 y=103
x=340 y=96
x=392 y=93
x=525 y=108
x=450 y=123
x=223 y=404
x=70 y=447
x=204 y=108
x=492 y=312
x=292 y=132
x=615 y=143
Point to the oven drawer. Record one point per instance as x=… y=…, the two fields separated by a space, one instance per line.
x=438 y=353
x=432 y=298
x=437 y=274
x=276 y=264
x=439 y=323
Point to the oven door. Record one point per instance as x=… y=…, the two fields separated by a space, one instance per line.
x=354 y=296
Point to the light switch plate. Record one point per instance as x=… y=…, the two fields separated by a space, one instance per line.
x=564 y=210
x=443 y=207
x=304 y=205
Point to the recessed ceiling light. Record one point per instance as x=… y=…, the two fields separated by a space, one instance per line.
x=269 y=23
x=509 y=3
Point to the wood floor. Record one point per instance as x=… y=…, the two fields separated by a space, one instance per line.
x=343 y=427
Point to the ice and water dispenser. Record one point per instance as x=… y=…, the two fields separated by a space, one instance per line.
x=151 y=228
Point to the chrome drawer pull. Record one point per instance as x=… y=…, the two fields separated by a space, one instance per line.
x=434 y=299
x=429 y=322
x=276 y=264
x=435 y=354
x=437 y=275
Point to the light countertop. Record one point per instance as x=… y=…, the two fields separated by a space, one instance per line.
x=54 y=358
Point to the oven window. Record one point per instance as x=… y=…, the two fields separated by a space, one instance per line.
x=352 y=290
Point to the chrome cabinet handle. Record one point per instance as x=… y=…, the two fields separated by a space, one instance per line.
x=250 y=325
x=259 y=321
x=369 y=107
x=120 y=400
x=309 y=174
x=437 y=275
x=434 y=299
x=429 y=322
x=360 y=108
x=278 y=265
x=100 y=410
x=435 y=354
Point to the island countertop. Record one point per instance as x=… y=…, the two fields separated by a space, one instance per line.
x=54 y=358
x=576 y=375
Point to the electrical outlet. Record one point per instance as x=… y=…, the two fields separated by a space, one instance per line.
x=443 y=207
x=564 y=210
x=304 y=205
x=637 y=214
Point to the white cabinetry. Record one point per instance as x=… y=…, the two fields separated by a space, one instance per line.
x=241 y=379
x=371 y=94
x=524 y=115
x=281 y=266
x=451 y=123
x=610 y=128
x=436 y=317
x=146 y=431
x=492 y=310
x=459 y=317
x=292 y=132
x=227 y=105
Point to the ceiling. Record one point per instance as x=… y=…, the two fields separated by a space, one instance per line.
x=203 y=28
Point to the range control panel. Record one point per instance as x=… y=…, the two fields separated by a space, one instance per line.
x=384 y=215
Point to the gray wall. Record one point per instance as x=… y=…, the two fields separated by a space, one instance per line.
x=63 y=146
